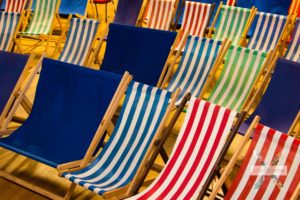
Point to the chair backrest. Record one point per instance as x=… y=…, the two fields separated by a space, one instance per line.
x=281 y=101
x=267 y=30
x=197 y=60
x=231 y=23
x=81 y=34
x=15 y=5
x=271 y=168
x=43 y=16
x=142 y=113
x=293 y=51
x=241 y=69
x=197 y=148
x=8 y=24
x=77 y=7
x=160 y=13
x=11 y=68
x=279 y=7
x=140 y=51
x=69 y=105
x=128 y=11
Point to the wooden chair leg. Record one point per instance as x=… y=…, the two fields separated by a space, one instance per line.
x=70 y=191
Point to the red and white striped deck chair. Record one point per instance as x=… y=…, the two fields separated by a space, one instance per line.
x=271 y=168
x=160 y=14
x=15 y=5
x=197 y=149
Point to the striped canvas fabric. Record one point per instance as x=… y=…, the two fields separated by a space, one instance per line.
x=8 y=24
x=293 y=51
x=80 y=37
x=267 y=29
x=196 y=150
x=159 y=14
x=269 y=150
x=141 y=115
x=231 y=23
x=43 y=16
x=15 y=5
x=241 y=69
x=197 y=60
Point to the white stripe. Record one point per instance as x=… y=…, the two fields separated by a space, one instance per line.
x=255 y=35
x=279 y=29
x=77 y=42
x=237 y=37
x=259 y=43
x=68 y=45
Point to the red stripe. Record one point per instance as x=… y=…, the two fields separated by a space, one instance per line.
x=245 y=162
x=293 y=185
x=187 y=16
x=176 y=153
x=204 y=11
x=151 y=19
x=193 y=13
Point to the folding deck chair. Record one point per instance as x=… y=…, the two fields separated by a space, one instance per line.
x=14 y=69
x=268 y=30
x=200 y=144
x=270 y=170
x=159 y=14
x=231 y=22
x=78 y=7
x=293 y=50
x=128 y=12
x=199 y=57
x=242 y=69
x=69 y=105
x=279 y=7
x=281 y=101
x=41 y=24
x=15 y=5
x=142 y=52
x=80 y=42
x=9 y=23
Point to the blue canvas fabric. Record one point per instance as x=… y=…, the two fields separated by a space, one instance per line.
x=140 y=51
x=142 y=112
x=280 y=7
x=69 y=105
x=73 y=7
x=281 y=101
x=11 y=68
x=8 y=24
x=128 y=11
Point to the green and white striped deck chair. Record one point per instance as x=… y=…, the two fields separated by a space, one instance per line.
x=41 y=23
x=231 y=22
x=240 y=73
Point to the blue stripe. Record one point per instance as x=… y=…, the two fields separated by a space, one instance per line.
x=4 y=16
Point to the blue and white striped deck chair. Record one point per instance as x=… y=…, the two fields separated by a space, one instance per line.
x=142 y=116
x=196 y=63
x=80 y=40
x=293 y=51
x=267 y=30
x=9 y=23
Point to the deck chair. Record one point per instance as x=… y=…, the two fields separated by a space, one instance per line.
x=199 y=57
x=41 y=24
x=231 y=22
x=268 y=29
x=78 y=7
x=279 y=7
x=80 y=42
x=199 y=146
x=14 y=72
x=65 y=93
x=293 y=50
x=270 y=169
x=15 y=5
x=242 y=70
x=278 y=105
x=159 y=14
x=9 y=23
x=143 y=53
x=140 y=123
x=128 y=12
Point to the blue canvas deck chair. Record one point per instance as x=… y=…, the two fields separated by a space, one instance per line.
x=9 y=24
x=268 y=31
x=56 y=131
x=142 y=52
x=199 y=57
x=140 y=124
x=79 y=47
x=129 y=12
x=39 y=26
x=279 y=7
x=293 y=50
x=281 y=101
x=77 y=8
x=15 y=5
x=231 y=22
x=17 y=73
